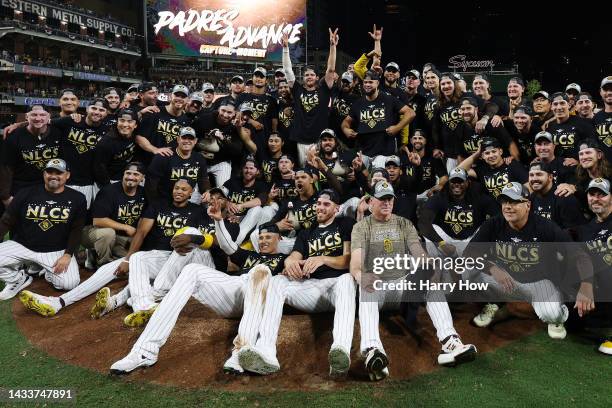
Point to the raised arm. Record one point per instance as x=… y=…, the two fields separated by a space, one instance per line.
x=331 y=59
x=287 y=61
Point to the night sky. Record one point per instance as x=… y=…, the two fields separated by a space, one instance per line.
x=555 y=47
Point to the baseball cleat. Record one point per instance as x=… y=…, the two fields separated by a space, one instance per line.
x=232 y=365
x=255 y=361
x=12 y=289
x=455 y=352
x=376 y=364
x=339 y=361
x=606 y=347
x=490 y=313
x=556 y=331
x=131 y=362
x=37 y=303
x=104 y=304
x=140 y=318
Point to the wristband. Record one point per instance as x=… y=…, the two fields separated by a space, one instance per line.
x=441 y=243
x=207 y=241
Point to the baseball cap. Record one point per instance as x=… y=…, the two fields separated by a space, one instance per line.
x=102 y=101
x=279 y=72
x=249 y=82
x=458 y=173
x=132 y=88
x=393 y=66
x=250 y=159
x=514 y=191
x=246 y=107
x=286 y=157
x=306 y=170
x=261 y=71
x=221 y=190
x=373 y=75
x=489 y=142
x=606 y=81
x=393 y=160
x=187 y=131
x=347 y=76
x=207 y=86
x=546 y=167
x=589 y=143
x=543 y=135
x=146 y=86
x=585 y=95
x=139 y=167
x=57 y=164
x=559 y=95
x=68 y=91
x=484 y=77
x=128 y=112
x=414 y=73
x=382 y=171
x=524 y=109
x=331 y=194
x=180 y=89
x=573 y=86
x=541 y=94
x=30 y=108
x=269 y=227
x=383 y=189
x=469 y=100
x=327 y=132
x=518 y=80
x=237 y=78
x=196 y=97
x=457 y=76
x=600 y=184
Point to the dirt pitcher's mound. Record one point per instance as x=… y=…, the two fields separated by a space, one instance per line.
x=201 y=341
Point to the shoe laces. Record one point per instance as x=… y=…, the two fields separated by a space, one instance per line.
x=452 y=343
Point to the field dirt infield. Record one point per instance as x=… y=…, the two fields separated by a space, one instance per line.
x=201 y=341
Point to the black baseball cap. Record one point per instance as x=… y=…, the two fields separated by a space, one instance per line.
x=306 y=170
x=561 y=95
x=146 y=86
x=524 y=109
x=223 y=191
x=138 y=165
x=589 y=143
x=30 y=108
x=332 y=195
x=469 y=100
x=102 y=101
x=288 y=157
x=133 y=88
x=489 y=142
x=373 y=75
x=269 y=227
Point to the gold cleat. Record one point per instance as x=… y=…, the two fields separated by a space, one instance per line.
x=139 y=319
x=37 y=303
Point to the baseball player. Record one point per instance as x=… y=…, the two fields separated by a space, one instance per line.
x=150 y=245
x=183 y=163
x=396 y=235
x=26 y=152
x=79 y=141
x=315 y=279
x=116 y=149
x=598 y=238
x=228 y=295
x=45 y=224
x=113 y=97
x=115 y=211
x=520 y=266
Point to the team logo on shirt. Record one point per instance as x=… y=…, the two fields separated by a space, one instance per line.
x=451 y=118
x=459 y=218
x=272 y=262
x=309 y=102
x=430 y=107
x=306 y=215
x=259 y=109
x=268 y=166
x=604 y=130
x=83 y=140
x=564 y=139
x=387 y=245
x=471 y=144
x=48 y=215
x=602 y=246
x=169 y=129
x=186 y=170
x=127 y=154
x=40 y=155
x=172 y=222
x=496 y=182
x=326 y=244
x=371 y=115
x=342 y=106
x=286 y=116
x=129 y=212
x=518 y=256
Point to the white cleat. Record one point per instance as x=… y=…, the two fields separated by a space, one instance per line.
x=455 y=352
x=557 y=331
x=376 y=363
x=43 y=305
x=12 y=289
x=490 y=313
x=256 y=361
x=131 y=362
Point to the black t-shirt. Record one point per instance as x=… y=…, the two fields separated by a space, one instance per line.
x=322 y=182
x=167 y=169
x=445 y=121
x=563 y=211
x=286 y=188
x=167 y=219
x=27 y=155
x=79 y=142
x=598 y=239
x=311 y=112
x=246 y=260
x=521 y=253
x=524 y=141
x=602 y=121
x=112 y=202
x=568 y=135
x=113 y=154
x=460 y=219
x=110 y=121
x=207 y=226
x=432 y=169
x=503 y=108
x=325 y=241
x=469 y=140
x=238 y=193
x=561 y=173
x=341 y=108
x=370 y=121
x=162 y=128
x=494 y=179
x=431 y=103
x=264 y=108
x=44 y=219
x=304 y=211
x=231 y=148
x=285 y=118
x=417 y=103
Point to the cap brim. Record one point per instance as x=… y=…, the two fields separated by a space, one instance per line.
x=55 y=168
x=457 y=178
x=598 y=189
x=384 y=196
x=515 y=198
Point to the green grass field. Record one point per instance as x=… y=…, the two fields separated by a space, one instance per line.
x=530 y=373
